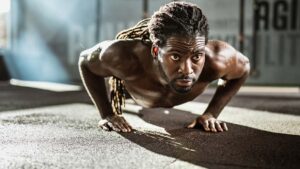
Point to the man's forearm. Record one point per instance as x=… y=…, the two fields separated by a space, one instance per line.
x=223 y=95
x=95 y=86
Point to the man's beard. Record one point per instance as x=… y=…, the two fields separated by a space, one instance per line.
x=172 y=83
x=182 y=89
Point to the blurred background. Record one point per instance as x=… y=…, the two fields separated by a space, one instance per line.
x=41 y=40
x=56 y=127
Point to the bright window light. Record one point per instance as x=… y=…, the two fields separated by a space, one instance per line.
x=4 y=6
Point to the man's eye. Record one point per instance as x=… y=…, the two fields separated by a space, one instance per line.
x=197 y=57
x=175 y=57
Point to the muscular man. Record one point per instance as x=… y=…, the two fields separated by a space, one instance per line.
x=163 y=61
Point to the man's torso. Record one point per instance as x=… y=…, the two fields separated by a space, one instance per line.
x=131 y=61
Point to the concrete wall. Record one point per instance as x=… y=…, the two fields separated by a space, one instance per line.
x=47 y=36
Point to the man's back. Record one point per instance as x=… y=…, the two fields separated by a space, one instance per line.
x=131 y=61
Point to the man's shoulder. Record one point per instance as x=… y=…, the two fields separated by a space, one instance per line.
x=219 y=52
x=116 y=46
x=217 y=46
x=120 y=58
x=112 y=46
x=218 y=55
x=224 y=60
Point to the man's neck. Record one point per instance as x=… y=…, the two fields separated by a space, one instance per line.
x=161 y=76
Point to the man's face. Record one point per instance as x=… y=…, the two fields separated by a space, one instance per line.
x=181 y=60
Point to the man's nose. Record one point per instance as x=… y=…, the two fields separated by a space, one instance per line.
x=186 y=67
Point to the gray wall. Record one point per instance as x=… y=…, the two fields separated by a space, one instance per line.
x=47 y=36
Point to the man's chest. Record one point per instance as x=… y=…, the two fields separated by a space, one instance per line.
x=151 y=94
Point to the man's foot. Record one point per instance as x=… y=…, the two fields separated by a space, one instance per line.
x=115 y=123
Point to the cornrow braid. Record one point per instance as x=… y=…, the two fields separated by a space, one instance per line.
x=117 y=89
x=177 y=18
x=117 y=94
x=139 y=31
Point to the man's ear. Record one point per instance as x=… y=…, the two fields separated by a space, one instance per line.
x=154 y=51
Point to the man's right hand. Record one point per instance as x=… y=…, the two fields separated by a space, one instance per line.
x=209 y=123
x=115 y=123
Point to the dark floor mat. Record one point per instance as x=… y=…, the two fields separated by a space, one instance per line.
x=15 y=97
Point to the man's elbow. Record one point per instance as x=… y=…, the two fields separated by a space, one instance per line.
x=82 y=60
x=244 y=63
x=247 y=67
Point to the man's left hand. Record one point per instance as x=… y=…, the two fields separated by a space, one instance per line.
x=209 y=123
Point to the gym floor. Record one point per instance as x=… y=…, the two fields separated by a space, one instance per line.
x=45 y=129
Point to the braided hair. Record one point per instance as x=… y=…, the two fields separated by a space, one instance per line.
x=175 y=18
x=117 y=89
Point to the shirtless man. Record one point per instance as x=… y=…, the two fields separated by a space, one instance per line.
x=173 y=66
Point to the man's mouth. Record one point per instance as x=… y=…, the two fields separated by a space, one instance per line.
x=184 y=82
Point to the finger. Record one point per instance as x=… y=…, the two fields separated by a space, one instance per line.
x=123 y=127
x=108 y=126
x=224 y=126
x=126 y=125
x=218 y=126
x=123 y=124
x=113 y=127
x=206 y=125
x=212 y=126
x=120 y=126
x=105 y=127
x=102 y=122
x=129 y=128
x=192 y=125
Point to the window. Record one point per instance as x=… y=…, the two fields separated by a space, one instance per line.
x=4 y=20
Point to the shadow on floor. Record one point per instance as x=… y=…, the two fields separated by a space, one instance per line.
x=240 y=147
x=272 y=103
x=15 y=97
